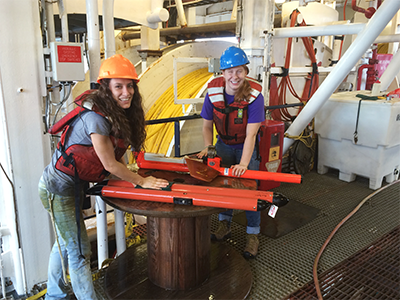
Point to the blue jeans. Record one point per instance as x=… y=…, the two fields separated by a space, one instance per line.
x=67 y=232
x=231 y=156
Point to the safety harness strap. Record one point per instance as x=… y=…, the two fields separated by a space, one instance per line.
x=78 y=208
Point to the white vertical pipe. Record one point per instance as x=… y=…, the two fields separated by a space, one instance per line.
x=270 y=11
x=102 y=234
x=390 y=72
x=109 y=46
x=92 y=20
x=181 y=13
x=254 y=17
x=119 y=231
x=54 y=94
x=64 y=21
x=108 y=28
x=62 y=11
x=363 y=41
x=51 y=31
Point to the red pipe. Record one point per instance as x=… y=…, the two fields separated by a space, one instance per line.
x=369 y=12
x=359 y=75
x=371 y=72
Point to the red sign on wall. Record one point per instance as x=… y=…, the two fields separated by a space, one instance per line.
x=69 y=54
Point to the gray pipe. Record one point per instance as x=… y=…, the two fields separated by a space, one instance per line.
x=108 y=28
x=92 y=20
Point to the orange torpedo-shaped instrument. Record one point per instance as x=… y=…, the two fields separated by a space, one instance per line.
x=207 y=172
x=185 y=194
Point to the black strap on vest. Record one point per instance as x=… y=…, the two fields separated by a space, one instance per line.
x=227 y=109
x=78 y=210
x=228 y=137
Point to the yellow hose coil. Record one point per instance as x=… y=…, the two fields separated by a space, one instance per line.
x=159 y=136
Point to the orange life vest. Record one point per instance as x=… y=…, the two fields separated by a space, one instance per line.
x=230 y=120
x=82 y=160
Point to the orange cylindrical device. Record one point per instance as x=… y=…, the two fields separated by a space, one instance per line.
x=184 y=198
x=142 y=163
x=263 y=175
x=207 y=190
x=270 y=197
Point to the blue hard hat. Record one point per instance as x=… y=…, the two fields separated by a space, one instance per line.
x=233 y=57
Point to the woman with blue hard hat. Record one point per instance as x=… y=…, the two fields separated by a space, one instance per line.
x=235 y=105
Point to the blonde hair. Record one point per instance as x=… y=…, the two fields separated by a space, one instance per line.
x=244 y=91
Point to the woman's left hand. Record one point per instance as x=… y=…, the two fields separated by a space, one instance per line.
x=238 y=170
x=151 y=182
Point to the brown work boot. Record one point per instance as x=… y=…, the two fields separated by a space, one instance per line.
x=251 y=246
x=223 y=231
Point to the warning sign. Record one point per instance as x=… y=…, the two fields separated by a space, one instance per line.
x=69 y=54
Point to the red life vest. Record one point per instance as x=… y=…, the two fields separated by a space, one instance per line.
x=82 y=158
x=230 y=120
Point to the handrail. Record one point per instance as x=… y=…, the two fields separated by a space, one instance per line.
x=167 y=120
x=177 y=130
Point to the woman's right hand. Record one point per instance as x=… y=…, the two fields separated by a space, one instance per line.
x=151 y=182
x=202 y=153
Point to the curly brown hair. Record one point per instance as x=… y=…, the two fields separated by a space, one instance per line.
x=128 y=124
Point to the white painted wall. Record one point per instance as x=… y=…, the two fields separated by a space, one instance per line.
x=24 y=148
x=253 y=18
x=132 y=10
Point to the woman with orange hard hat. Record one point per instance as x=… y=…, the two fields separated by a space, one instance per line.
x=94 y=139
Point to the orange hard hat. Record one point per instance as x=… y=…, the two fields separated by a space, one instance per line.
x=117 y=66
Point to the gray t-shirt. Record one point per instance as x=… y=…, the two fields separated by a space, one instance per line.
x=85 y=124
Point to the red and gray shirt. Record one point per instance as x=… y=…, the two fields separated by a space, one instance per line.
x=59 y=174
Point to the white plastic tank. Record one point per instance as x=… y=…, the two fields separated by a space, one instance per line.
x=376 y=151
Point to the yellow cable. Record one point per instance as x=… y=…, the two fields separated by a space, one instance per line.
x=38 y=295
x=159 y=136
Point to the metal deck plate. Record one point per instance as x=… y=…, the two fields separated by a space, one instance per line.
x=372 y=273
x=284 y=264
